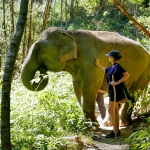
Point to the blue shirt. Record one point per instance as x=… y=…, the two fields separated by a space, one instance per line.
x=118 y=71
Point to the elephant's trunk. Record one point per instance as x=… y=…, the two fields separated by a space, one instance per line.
x=28 y=75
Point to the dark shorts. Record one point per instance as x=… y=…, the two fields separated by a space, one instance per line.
x=112 y=99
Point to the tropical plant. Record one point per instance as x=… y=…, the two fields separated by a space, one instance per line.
x=42 y=119
x=141 y=138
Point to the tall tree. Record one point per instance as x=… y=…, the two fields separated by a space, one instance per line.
x=102 y=5
x=123 y=10
x=66 y=12
x=4 y=44
x=71 y=10
x=24 y=43
x=54 y=11
x=61 y=12
x=45 y=15
x=30 y=40
x=12 y=17
x=7 y=78
x=136 y=14
x=3 y=22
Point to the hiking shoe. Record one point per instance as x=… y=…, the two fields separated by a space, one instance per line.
x=112 y=134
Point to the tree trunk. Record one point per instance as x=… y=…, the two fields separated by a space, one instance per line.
x=66 y=13
x=122 y=9
x=102 y=5
x=7 y=78
x=30 y=40
x=24 y=43
x=71 y=10
x=61 y=12
x=3 y=22
x=12 y=17
x=136 y=14
x=101 y=8
x=45 y=15
x=4 y=25
x=53 y=17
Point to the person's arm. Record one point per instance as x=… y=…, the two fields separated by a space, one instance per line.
x=125 y=77
x=98 y=64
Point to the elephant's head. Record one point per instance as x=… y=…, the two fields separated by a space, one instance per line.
x=50 y=52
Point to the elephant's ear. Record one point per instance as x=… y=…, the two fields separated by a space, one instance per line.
x=68 y=48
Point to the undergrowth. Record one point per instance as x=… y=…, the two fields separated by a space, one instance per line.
x=141 y=138
x=40 y=120
x=52 y=119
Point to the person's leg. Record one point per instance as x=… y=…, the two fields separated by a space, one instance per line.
x=111 y=111
x=109 y=121
x=116 y=119
x=114 y=114
x=101 y=105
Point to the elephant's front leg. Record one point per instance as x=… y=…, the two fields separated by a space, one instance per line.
x=89 y=92
x=77 y=90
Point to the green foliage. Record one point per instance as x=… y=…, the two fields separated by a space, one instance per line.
x=88 y=15
x=142 y=101
x=146 y=3
x=41 y=120
x=141 y=138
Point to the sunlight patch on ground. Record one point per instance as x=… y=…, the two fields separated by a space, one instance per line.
x=106 y=101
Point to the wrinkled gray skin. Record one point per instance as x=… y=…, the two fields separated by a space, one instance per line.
x=74 y=51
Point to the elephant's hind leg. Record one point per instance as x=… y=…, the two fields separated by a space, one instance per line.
x=140 y=83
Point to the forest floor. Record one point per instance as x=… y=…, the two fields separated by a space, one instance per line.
x=102 y=143
x=99 y=142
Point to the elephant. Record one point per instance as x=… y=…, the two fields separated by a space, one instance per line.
x=74 y=51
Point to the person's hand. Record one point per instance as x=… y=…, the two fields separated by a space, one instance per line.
x=113 y=83
x=97 y=62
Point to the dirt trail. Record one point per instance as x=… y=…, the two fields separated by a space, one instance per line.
x=101 y=143
x=98 y=140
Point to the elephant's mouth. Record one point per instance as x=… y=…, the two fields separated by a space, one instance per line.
x=42 y=78
x=42 y=66
x=35 y=80
x=41 y=73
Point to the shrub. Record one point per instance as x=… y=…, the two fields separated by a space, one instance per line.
x=38 y=119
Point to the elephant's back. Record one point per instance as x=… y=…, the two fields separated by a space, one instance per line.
x=135 y=58
x=128 y=47
x=114 y=38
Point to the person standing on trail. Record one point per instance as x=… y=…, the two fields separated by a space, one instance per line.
x=120 y=75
